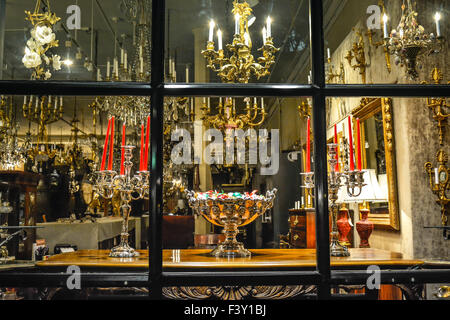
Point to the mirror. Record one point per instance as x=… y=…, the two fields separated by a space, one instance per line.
x=378 y=156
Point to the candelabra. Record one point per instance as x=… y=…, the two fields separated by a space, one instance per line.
x=130 y=187
x=228 y=118
x=410 y=42
x=240 y=66
x=352 y=180
x=357 y=52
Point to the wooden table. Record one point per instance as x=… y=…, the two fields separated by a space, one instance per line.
x=261 y=259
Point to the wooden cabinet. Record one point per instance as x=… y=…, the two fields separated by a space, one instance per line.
x=22 y=197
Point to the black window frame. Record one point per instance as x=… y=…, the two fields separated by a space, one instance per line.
x=156 y=278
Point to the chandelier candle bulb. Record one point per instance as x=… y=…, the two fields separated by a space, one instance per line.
x=358 y=144
x=246 y=39
x=125 y=59
x=328 y=54
x=437 y=17
x=108 y=69
x=187 y=74
x=308 y=145
x=122 y=53
x=237 y=19
x=385 y=27
x=211 y=31
x=111 y=146
x=98 y=75
x=105 y=148
x=350 y=139
x=264 y=32
x=436 y=176
x=269 y=27
x=122 y=158
x=219 y=37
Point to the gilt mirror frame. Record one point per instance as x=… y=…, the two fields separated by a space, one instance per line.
x=368 y=108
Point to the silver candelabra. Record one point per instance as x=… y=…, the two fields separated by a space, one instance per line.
x=351 y=179
x=130 y=187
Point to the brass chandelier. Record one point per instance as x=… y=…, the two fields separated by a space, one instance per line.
x=241 y=65
x=227 y=118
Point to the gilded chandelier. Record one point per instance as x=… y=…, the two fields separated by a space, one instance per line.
x=241 y=65
x=42 y=111
x=227 y=118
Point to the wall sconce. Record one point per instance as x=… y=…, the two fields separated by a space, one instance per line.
x=357 y=52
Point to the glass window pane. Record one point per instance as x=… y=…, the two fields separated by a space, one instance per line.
x=381 y=43
x=233 y=185
x=189 y=51
x=83 y=41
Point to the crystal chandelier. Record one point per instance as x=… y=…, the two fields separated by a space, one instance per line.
x=409 y=42
x=130 y=109
x=241 y=65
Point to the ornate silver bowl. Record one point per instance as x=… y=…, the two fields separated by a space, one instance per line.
x=230 y=213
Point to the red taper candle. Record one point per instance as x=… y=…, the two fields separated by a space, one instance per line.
x=105 y=147
x=350 y=142
x=141 y=162
x=122 y=159
x=337 y=148
x=111 y=147
x=358 y=144
x=308 y=146
x=147 y=141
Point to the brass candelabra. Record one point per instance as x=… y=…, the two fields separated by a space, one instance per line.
x=241 y=65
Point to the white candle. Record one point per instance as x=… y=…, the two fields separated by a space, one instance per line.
x=204 y=101
x=264 y=32
x=436 y=176
x=98 y=75
x=437 y=17
x=246 y=39
x=108 y=69
x=116 y=66
x=219 y=36
x=187 y=74
x=309 y=79
x=262 y=102
x=56 y=104
x=237 y=19
x=60 y=101
x=170 y=65
x=50 y=100
x=209 y=103
x=125 y=59
x=385 y=28
x=24 y=99
x=121 y=56
x=255 y=102
x=269 y=27
x=303 y=201
x=142 y=65
x=211 y=30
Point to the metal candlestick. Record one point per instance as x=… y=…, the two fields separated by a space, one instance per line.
x=130 y=187
x=352 y=180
